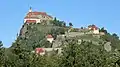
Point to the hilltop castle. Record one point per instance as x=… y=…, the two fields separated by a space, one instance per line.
x=36 y=17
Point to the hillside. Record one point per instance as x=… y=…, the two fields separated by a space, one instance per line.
x=33 y=35
x=71 y=47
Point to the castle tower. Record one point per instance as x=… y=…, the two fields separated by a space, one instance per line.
x=30 y=10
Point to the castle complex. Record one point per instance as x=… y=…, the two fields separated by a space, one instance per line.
x=91 y=32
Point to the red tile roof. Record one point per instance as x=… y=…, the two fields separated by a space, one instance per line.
x=30 y=21
x=31 y=14
x=39 y=50
x=36 y=13
x=50 y=16
x=49 y=36
x=93 y=27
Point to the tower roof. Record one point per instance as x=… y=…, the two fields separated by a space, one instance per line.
x=30 y=10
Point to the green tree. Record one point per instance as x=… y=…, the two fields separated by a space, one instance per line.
x=55 y=19
x=103 y=30
x=70 y=24
x=44 y=61
x=115 y=42
x=2 y=54
x=64 y=24
x=87 y=54
x=115 y=35
x=21 y=54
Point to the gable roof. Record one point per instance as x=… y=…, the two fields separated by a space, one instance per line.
x=39 y=50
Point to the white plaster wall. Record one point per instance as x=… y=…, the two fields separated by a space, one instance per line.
x=102 y=33
x=51 y=49
x=43 y=53
x=50 y=40
x=89 y=28
x=96 y=31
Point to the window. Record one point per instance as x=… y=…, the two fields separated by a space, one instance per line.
x=43 y=16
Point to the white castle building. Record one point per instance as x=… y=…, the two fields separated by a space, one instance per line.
x=36 y=17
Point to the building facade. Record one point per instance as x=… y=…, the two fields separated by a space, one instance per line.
x=94 y=29
x=40 y=51
x=43 y=51
x=50 y=38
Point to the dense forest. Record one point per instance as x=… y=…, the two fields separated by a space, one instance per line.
x=74 y=54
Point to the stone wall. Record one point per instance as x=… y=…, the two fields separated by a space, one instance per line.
x=74 y=34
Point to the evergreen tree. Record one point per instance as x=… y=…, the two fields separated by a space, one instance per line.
x=87 y=54
x=115 y=35
x=70 y=24
x=103 y=30
x=2 y=54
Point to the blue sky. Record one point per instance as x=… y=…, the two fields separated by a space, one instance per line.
x=103 y=13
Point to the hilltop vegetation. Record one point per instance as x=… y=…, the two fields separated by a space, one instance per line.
x=34 y=35
x=84 y=50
